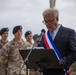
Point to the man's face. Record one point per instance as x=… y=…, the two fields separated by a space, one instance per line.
x=5 y=35
x=18 y=34
x=51 y=22
x=29 y=37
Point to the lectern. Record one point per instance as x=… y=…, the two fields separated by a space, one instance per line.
x=41 y=58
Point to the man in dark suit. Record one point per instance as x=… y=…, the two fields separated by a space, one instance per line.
x=63 y=38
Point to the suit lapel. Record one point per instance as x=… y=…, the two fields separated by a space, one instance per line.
x=59 y=33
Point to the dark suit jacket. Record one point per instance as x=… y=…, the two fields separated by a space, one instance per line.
x=65 y=42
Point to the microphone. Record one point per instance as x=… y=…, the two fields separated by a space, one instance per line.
x=38 y=40
x=40 y=37
x=42 y=32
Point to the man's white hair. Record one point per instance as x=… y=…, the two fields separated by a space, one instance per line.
x=53 y=11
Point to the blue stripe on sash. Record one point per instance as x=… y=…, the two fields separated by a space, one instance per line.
x=55 y=49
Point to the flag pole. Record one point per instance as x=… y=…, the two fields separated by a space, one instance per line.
x=52 y=3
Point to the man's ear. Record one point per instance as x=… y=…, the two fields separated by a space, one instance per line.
x=57 y=18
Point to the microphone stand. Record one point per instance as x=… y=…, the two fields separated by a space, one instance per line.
x=26 y=59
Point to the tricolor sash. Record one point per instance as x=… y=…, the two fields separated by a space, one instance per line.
x=50 y=45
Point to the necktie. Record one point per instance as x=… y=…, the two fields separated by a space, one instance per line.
x=52 y=35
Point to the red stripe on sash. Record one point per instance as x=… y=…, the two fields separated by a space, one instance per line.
x=69 y=73
x=46 y=44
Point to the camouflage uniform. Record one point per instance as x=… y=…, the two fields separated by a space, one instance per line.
x=11 y=55
x=34 y=72
x=2 y=68
x=73 y=69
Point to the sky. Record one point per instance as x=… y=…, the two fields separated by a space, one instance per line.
x=28 y=13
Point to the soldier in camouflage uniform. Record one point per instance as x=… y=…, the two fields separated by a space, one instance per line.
x=29 y=38
x=11 y=55
x=3 y=41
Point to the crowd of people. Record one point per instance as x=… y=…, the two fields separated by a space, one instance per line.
x=10 y=58
x=61 y=39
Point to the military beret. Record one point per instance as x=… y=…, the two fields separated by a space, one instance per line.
x=4 y=30
x=16 y=28
x=28 y=32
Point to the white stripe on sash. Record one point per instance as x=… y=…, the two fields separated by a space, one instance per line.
x=49 y=43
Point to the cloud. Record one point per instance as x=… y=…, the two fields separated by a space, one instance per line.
x=28 y=13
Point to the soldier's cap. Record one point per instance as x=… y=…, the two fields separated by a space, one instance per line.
x=28 y=33
x=16 y=28
x=4 y=30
